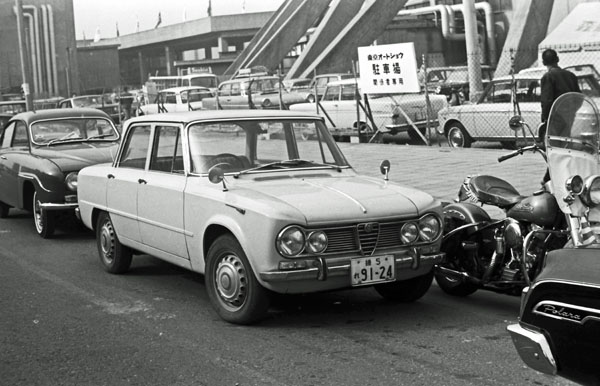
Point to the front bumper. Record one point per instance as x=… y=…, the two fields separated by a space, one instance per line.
x=322 y=269
x=533 y=348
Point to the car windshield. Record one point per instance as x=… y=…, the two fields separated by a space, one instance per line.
x=248 y=146
x=204 y=81
x=72 y=129
x=12 y=108
x=91 y=100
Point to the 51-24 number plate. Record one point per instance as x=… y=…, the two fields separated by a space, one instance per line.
x=372 y=269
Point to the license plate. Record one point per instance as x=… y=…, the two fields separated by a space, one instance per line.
x=373 y=269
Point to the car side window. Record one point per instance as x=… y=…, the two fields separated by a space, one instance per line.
x=332 y=93
x=322 y=82
x=235 y=89
x=225 y=90
x=136 y=148
x=167 y=151
x=184 y=97
x=499 y=93
x=7 y=135
x=20 y=137
x=348 y=92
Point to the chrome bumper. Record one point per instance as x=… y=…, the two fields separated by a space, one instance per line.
x=321 y=270
x=56 y=206
x=533 y=348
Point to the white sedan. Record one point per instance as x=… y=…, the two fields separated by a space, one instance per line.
x=176 y=99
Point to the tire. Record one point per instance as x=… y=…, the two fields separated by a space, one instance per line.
x=44 y=221
x=114 y=256
x=457 y=136
x=454 y=287
x=406 y=291
x=233 y=290
x=4 y=208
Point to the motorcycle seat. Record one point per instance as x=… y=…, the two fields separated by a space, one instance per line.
x=494 y=191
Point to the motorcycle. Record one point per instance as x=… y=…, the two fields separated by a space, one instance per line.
x=503 y=254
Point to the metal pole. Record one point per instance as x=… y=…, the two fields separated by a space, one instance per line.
x=473 y=53
x=25 y=65
x=357 y=99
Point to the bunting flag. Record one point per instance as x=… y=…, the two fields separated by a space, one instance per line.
x=158 y=22
x=137 y=24
x=97 y=35
x=117 y=25
x=209 y=10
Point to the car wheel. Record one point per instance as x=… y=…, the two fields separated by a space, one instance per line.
x=4 y=208
x=453 y=286
x=414 y=136
x=114 y=256
x=232 y=288
x=406 y=291
x=44 y=220
x=458 y=136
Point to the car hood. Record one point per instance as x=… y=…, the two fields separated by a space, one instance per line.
x=75 y=156
x=341 y=199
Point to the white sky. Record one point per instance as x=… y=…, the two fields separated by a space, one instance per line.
x=104 y=15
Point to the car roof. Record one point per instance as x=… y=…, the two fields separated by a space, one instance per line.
x=248 y=78
x=532 y=75
x=189 y=116
x=77 y=112
x=184 y=88
x=343 y=82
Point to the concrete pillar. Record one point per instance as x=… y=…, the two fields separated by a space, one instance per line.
x=473 y=50
x=143 y=75
x=527 y=29
x=168 y=60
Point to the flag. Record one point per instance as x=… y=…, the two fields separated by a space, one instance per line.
x=244 y=6
x=184 y=15
x=209 y=10
x=158 y=22
x=137 y=24
x=117 y=25
x=97 y=35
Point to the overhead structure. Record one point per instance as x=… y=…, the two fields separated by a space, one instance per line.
x=364 y=28
x=527 y=29
x=283 y=30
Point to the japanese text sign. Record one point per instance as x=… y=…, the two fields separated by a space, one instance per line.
x=388 y=69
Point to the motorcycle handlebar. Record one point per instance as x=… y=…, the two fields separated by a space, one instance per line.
x=518 y=152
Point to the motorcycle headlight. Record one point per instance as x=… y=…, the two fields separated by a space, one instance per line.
x=316 y=242
x=574 y=185
x=291 y=241
x=71 y=181
x=429 y=227
x=591 y=191
x=409 y=233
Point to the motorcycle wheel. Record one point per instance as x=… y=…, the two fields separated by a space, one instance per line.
x=454 y=287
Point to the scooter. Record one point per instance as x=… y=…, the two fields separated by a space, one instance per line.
x=502 y=254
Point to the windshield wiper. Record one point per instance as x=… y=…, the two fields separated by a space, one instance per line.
x=61 y=140
x=100 y=136
x=283 y=165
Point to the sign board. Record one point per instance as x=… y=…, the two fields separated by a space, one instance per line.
x=388 y=69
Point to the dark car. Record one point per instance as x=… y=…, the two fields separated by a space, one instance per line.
x=41 y=154
x=559 y=328
x=450 y=81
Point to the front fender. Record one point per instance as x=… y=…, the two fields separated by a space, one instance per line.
x=464 y=213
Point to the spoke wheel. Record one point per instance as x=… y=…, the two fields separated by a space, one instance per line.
x=233 y=290
x=114 y=256
x=44 y=220
x=458 y=136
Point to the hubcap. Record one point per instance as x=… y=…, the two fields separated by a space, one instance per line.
x=37 y=214
x=231 y=281
x=106 y=242
x=456 y=138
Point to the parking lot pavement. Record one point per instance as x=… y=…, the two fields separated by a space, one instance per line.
x=439 y=170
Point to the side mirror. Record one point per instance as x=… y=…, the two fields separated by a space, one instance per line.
x=384 y=168
x=515 y=123
x=216 y=175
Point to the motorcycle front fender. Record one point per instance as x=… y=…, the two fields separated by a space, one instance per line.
x=472 y=216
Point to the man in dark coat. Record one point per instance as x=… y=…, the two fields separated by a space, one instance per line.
x=554 y=83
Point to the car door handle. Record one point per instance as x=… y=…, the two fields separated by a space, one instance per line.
x=110 y=176
x=142 y=181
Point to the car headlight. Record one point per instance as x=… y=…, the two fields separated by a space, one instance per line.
x=291 y=241
x=591 y=191
x=429 y=227
x=71 y=181
x=409 y=233
x=316 y=242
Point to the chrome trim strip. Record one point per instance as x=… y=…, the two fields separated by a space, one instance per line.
x=533 y=348
x=31 y=176
x=561 y=281
x=361 y=206
x=160 y=225
x=565 y=311
x=55 y=206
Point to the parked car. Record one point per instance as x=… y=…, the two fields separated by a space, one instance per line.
x=102 y=102
x=251 y=93
x=486 y=120
x=176 y=99
x=449 y=81
x=320 y=82
x=41 y=154
x=13 y=107
x=339 y=105
x=239 y=197
x=295 y=84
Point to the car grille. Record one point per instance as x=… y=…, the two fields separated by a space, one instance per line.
x=364 y=238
